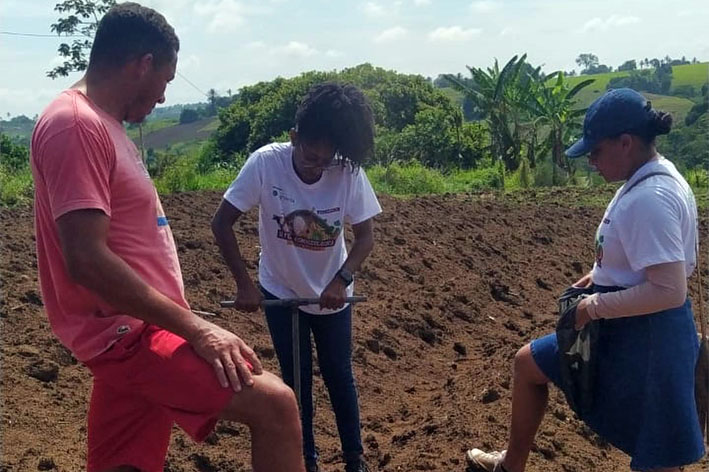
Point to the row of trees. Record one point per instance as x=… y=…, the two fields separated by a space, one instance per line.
x=214 y=103
x=523 y=116
x=414 y=120
x=14 y=157
x=590 y=64
x=658 y=80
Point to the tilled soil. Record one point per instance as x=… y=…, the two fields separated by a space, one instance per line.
x=456 y=285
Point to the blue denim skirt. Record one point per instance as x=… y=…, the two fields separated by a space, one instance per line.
x=644 y=389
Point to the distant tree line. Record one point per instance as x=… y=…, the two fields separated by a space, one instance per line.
x=658 y=80
x=413 y=119
x=590 y=64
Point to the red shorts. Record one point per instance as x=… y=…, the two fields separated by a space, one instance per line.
x=147 y=381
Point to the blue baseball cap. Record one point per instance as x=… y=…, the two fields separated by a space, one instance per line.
x=615 y=112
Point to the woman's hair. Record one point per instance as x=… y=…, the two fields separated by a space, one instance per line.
x=660 y=123
x=128 y=31
x=340 y=115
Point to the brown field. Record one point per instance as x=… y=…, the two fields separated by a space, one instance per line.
x=456 y=284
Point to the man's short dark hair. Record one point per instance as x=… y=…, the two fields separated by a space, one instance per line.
x=341 y=115
x=129 y=31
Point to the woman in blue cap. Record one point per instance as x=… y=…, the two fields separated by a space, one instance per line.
x=646 y=350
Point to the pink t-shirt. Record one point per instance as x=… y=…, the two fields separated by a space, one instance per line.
x=82 y=159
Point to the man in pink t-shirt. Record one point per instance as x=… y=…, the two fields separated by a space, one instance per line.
x=110 y=275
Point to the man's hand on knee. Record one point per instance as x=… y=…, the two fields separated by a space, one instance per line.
x=234 y=362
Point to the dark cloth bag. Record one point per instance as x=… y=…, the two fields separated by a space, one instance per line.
x=577 y=352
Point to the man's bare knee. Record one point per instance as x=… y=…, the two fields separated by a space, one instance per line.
x=269 y=400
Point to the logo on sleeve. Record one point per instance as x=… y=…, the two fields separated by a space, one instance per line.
x=599 y=250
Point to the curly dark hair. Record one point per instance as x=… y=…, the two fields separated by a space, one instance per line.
x=128 y=31
x=340 y=115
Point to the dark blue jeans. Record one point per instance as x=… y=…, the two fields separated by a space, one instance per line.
x=333 y=341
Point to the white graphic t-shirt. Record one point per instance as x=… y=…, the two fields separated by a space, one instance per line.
x=654 y=223
x=301 y=225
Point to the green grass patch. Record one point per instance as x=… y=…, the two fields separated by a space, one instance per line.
x=412 y=178
x=596 y=89
x=398 y=179
x=584 y=189
x=472 y=180
x=15 y=188
x=211 y=126
x=406 y=179
x=183 y=176
x=677 y=106
x=695 y=75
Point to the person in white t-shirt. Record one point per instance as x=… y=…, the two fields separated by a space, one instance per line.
x=307 y=190
x=646 y=245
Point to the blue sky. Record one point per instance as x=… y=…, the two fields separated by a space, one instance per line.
x=226 y=44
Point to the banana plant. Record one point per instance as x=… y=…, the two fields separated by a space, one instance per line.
x=500 y=95
x=554 y=108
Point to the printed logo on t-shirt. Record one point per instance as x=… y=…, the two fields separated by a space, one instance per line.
x=599 y=250
x=328 y=210
x=306 y=230
x=278 y=193
x=122 y=329
x=161 y=218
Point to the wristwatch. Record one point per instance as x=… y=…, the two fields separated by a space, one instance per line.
x=345 y=275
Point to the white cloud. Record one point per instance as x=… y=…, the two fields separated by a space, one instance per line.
x=169 y=8
x=453 y=33
x=613 y=21
x=222 y=15
x=484 y=6
x=295 y=49
x=422 y=2
x=27 y=101
x=25 y=9
x=506 y=31
x=333 y=53
x=190 y=62
x=377 y=10
x=255 y=45
x=392 y=34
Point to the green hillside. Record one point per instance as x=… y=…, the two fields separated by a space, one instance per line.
x=677 y=106
x=19 y=129
x=695 y=75
x=174 y=134
x=149 y=127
